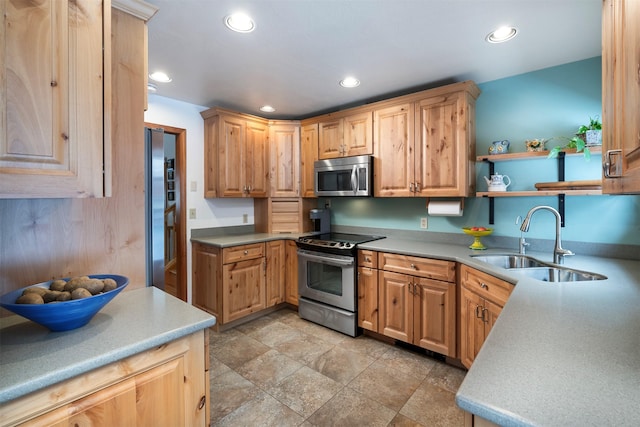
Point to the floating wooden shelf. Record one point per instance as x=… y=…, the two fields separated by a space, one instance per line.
x=534 y=193
x=528 y=155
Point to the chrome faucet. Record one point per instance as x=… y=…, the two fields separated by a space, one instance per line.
x=522 y=243
x=558 y=252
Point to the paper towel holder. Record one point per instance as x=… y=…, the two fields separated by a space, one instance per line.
x=461 y=201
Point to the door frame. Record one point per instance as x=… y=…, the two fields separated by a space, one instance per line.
x=181 y=204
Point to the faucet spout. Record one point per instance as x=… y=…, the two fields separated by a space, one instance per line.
x=558 y=252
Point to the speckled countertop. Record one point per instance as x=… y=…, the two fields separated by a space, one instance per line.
x=32 y=357
x=226 y=241
x=560 y=354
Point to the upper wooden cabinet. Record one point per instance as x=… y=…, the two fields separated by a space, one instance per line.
x=308 y=155
x=621 y=96
x=350 y=135
x=424 y=144
x=54 y=137
x=284 y=165
x=237 y=154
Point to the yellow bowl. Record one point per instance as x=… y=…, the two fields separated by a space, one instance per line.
x=477 y=233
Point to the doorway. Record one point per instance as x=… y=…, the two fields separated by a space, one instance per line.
x=175 y=215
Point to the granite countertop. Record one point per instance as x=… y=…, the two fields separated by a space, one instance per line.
x=135 y=321
x=225 y=241
x=560 y=353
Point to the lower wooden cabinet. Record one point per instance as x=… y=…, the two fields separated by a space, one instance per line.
x=164 y=386
x=482 y=297
x=275 y=272
x=417 y=308
x=368 y=290
x=291 y=272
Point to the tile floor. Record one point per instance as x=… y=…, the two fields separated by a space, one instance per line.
x=280 y=370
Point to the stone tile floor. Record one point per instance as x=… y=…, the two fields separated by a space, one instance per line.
x=280 y=370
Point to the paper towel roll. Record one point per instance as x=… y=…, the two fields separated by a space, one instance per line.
x=445 y=208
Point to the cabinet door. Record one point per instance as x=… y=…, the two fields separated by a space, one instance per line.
x=211 y=129
x=51 y=56
x=206 y=279
x=621 y=96
x=441 y=159
x=291 y=273
x=308 y=155
x=396 y=306
x=284 y=145
x=491 y=313
x=330 y=143
x=243 y=289
x=434 y=316
x=368 y=298
x=358 y=134
x=231 y=139
x=256 y=160
x=393 y=149
x=275 y=272
x=472 y=327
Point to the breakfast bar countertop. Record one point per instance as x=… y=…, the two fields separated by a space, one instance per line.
x=32 y=357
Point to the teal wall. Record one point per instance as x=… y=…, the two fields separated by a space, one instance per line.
x=548 y=103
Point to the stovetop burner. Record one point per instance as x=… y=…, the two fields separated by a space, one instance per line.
x=335 y=242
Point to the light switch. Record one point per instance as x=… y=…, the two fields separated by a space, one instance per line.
x=194 y=185
x=192 y=213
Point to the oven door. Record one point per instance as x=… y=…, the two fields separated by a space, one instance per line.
x=327 y=278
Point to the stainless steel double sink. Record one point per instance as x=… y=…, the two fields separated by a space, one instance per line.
x=536 y=269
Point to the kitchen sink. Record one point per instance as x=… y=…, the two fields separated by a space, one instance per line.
x=535 y=269
x=558 y=274
x=510 y=260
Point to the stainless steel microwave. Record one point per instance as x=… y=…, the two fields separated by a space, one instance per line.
x=344 y=176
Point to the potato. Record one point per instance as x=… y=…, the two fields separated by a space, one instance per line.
x=35 y=289
x=50 y=296
x=80 y=293
x=109 y=285
x=94 y=286
x=30 y=298
x=63 y=296
x=57 y=285
x=75 y=282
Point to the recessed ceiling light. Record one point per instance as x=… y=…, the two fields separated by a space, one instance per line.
x=152 y=88
x=240 y=22
x=502 y=34
x=349 y=82
x=160 y=76
x=267 y=109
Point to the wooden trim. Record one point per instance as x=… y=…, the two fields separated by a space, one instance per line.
x=137 y=8
x=181 y=204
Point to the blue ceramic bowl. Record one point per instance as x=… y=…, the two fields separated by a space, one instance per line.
x=66 y=315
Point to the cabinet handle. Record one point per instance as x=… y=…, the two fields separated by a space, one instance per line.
x=367 y=259
x=484 y=286
x=607 y=165
x=413 y=266
x=485 y=319
x=417 y=187
x=478 y=312
x=246 y=252
x=203 y=401
x=410 y=288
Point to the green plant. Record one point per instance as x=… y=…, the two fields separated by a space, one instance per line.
x=578 y=142
x=594 y=124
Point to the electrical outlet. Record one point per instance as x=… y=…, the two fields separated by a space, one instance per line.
x=194 y=185
x=423 y=222
x=245 y=218
x=192 y=213
x=327 y=203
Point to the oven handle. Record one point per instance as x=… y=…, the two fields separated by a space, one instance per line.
x=328 y=259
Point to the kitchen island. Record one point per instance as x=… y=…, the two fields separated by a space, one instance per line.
x=143 y=346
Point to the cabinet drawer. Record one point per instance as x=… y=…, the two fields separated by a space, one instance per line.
x=285 y=206
x=367 y=258
x=415 y=266
x=241 y=253
x=485 y=285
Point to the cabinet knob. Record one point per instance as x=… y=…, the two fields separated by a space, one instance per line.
x=484 y=286
x=413 y=266
x=367 y=259
x=246 y=252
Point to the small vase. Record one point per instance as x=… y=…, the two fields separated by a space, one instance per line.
x=536 y=144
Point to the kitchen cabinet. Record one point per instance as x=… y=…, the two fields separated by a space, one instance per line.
x=417 y=301
x=283 y=215
x=350 y=135
x=620 y=96
x=237 y=156
x=482 y=297
x=291 y=272
x=368 y=290
x=173 y=376
x=275 y=280
x=284 y=148
x=53 y=53
x=229 y=283
x=308 y=155
x=424 y=144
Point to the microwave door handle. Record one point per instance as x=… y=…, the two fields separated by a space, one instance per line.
x=354 y=179
x=326 y=260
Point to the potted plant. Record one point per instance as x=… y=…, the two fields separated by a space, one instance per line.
x=590 y=134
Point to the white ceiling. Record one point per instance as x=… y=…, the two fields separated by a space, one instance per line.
x=300 y=49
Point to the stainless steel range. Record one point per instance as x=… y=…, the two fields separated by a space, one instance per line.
x=327 y=268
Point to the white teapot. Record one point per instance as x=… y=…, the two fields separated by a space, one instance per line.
x=497 y=182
